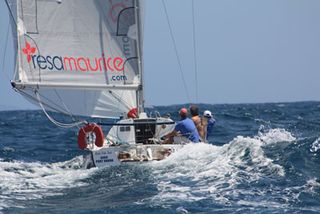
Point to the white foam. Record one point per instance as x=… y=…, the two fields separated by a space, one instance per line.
x=315 y=146
x=311 y=185
x=27 y=181
x=201 y=171
x=274 y=136
x=182 y=210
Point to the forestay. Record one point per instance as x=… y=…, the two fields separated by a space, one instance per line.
x=82 y=56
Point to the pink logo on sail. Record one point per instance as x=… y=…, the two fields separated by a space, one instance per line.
x=102 y=63
x=28 y=51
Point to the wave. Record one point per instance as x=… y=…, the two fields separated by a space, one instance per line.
x=220 y=173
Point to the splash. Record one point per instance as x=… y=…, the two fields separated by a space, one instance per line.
x=274 y=136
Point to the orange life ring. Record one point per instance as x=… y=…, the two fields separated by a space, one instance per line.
x=82 y=135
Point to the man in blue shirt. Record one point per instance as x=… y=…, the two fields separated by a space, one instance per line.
x=185 y=128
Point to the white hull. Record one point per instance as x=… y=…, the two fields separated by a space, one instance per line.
x=134 y=141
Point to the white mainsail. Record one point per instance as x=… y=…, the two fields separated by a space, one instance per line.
x=81 y=56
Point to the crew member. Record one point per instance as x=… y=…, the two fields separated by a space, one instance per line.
x=200 y=124
x=210 y=122
x=185 y=128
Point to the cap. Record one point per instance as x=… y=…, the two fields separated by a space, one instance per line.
x=207 y=113
x=183 y=112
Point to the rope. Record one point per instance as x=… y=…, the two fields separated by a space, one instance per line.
x=10 y=11
x=57 y=123
x=195 y=51
x=176 y=51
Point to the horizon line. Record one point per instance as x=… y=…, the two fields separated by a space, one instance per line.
x=13 y=108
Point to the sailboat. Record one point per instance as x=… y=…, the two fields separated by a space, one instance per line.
x=85 y=58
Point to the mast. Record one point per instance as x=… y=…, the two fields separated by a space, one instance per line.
x=140 y=96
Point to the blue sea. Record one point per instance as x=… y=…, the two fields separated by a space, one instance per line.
x=262 y=158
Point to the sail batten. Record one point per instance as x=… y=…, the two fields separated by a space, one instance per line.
x=77 y=46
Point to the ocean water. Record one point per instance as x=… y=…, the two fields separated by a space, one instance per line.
x=262 y=158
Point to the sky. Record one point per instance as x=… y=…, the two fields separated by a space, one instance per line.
x=248 y=51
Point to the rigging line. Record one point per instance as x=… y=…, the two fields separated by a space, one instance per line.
x=10 y=11
x=195 y=52
x=57 y=123
x=119 y=99
x=176 y=51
